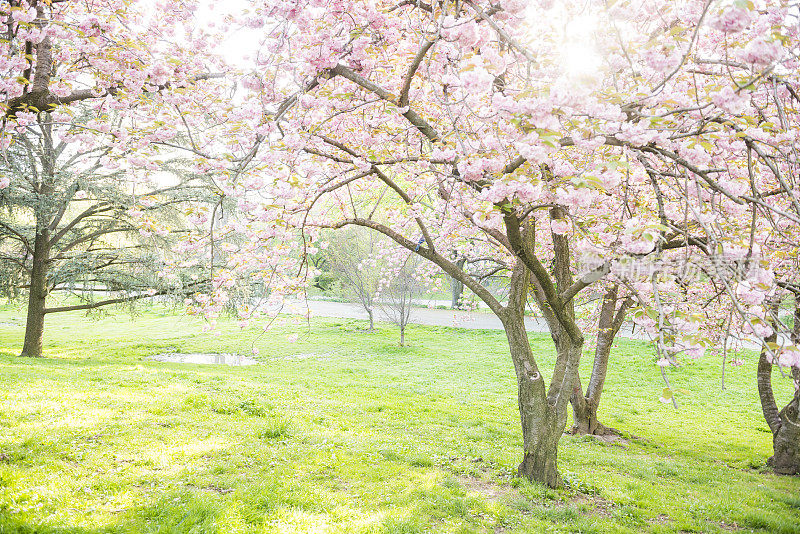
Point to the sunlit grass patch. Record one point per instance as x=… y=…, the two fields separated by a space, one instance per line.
x=363 y=437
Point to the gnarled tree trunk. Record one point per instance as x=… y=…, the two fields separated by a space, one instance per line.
x=786 y=441
x=543 y=413
x=784 y=424
x=584 y=406
x=34 y=326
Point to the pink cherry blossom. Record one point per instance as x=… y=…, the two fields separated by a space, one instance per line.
x=761 y=53
x=731 y=20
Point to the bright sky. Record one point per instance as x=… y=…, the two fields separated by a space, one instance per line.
x=239 y=43
x=579 y=55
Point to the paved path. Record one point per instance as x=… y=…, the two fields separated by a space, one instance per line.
x=474 y=320
x=426 y=316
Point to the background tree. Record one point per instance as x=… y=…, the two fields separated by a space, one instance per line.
x=456 y=286
x=352 y=257
x=497 y=189
x=729 y=185
x=489 y=272
x=70 y=224
x=84 y=93
x=404 y=281
x=784 y=423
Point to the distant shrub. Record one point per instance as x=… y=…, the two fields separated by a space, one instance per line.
x=326 y=282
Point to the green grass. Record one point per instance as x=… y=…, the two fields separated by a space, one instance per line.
x=344 y=431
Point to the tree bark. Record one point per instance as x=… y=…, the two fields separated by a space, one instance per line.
x=543 y=416
x=584 y=406
x=371 y=320
x=784 y=424
x=34 y=326
x=543 y=413
x=786 y=441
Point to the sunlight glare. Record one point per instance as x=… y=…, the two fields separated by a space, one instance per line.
x=580 y=60
x=579 y=55
x=572 y=35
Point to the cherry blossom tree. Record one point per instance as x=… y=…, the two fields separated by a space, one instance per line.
x=428 y=125
x=539 y=141
x=727 y=182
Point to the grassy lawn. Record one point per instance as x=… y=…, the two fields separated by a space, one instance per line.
x=344 y=431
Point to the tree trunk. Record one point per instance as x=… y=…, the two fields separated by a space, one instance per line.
x=584 y=414
x=543 y=412
x=371 y=320
x=540 y=437
x=543 y=415
x=785 y=425
x=584 y=406
x=786 y=441
x=34 y=327
x=402 y=335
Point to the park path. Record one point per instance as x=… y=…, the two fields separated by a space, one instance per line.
x=473 y=320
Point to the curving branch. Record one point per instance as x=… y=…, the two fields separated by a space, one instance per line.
x=446 y=265
x=412 y=116
x=44 y=100
x=18 y=235
x=412 y=70
x=540 y=274
x=119 y=300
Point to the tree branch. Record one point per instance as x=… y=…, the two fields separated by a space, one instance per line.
x=119 y=300
x=412 y=70
x=446 y=265
x=412 y=116
x=102 y=207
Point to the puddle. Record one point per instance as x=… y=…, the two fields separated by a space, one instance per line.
x=204 y=358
